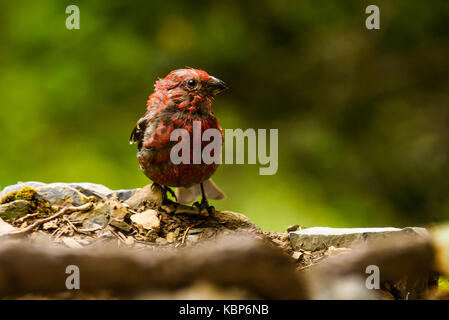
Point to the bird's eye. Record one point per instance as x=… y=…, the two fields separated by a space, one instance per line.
x=191 y=83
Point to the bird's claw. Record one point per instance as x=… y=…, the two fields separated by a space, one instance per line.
x=204 y=205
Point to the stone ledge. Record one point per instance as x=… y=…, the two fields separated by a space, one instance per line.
x=317 y=238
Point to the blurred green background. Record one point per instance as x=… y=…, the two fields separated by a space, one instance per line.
x=363 y=116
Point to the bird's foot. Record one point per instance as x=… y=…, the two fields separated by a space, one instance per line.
x=204 y=205
x=165 y=199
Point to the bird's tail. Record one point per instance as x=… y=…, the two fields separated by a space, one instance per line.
x=188 y=195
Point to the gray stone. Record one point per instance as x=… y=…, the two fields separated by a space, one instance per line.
x=88 y=188
x=122 y=225
x=15 y=209
x=149 y=196
x=92 y=189
x=97 y=217
x=85 y=188
x=61 y=194
x=317 y=238
x=123 y=194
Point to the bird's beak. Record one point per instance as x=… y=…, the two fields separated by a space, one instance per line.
x=215 y=86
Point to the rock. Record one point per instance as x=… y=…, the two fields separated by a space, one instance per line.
x=92 y=189
x=292 y=228
x=317 y=238
x=171 y=237
x=120 y=224
x=118 y=210
x=124 y=194
x=233 y=220
x=96 y=217
x=148 y=219
x=89 y=189
x=85 y=188
x=406 y=267
x=15 y=209
x=118 y=214
x=5 y=227
x=19 y=186
x=297 y=255
x=149 y=196
x=61 y=194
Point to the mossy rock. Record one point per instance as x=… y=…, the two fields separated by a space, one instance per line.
x=20 y=202
x=15 y=209
x=26 y=193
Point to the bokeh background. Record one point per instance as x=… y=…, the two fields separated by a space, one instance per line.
x=363 y=116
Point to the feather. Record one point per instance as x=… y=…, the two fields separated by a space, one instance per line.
x=188 y=195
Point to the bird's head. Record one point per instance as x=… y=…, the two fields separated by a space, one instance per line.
x=189 y=88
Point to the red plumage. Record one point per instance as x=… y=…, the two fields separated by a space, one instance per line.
x=183 y=96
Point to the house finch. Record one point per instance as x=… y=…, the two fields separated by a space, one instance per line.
x=182 y=97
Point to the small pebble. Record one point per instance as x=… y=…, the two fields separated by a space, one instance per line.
x=297 y=255
x=292 y=228
x=171 y=237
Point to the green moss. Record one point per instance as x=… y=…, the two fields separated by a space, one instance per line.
x=26 y=193
x=29 y=194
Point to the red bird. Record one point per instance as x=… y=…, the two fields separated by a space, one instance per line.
x=183 y=96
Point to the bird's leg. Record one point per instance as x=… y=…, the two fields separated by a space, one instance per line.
x=165 y=198
x=204 y=204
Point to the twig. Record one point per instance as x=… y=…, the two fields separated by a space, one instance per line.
x=29 y=215
x=121 y=235
x=187 y=230
x=61 y=232
x=54 y=232
x=61 y=212
x=184 y=235
x=118 y=236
